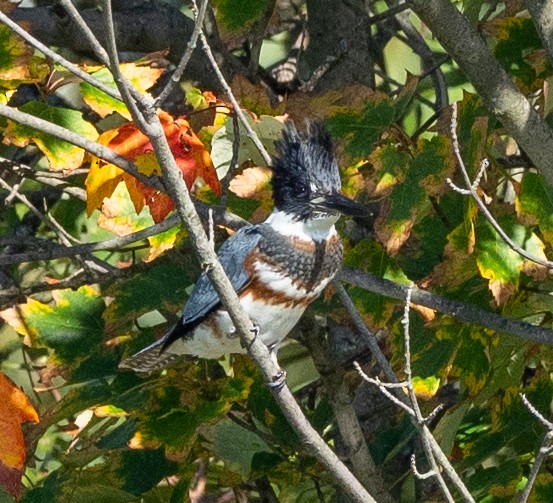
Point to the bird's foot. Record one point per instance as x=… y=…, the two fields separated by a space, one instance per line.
x=279 y=381
x=255 y=329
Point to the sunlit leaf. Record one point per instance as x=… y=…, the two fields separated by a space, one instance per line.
x=119 y=213
x=142 y=78
x=62 y=155
x=267 y=128
x=497 y=261
x=535 y=204
x=15 y=409
x=72 y=326
x=190 y=155
x=18 y=63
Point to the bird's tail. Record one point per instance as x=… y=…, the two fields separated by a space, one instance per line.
x=150 y=359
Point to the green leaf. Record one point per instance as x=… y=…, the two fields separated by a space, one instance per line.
x=73 y=327
x=534 y=204
x=472 y=363
x=497 y=262
x=141 y=470
x=390 y=166
x=516 y=36
x=409 y=201
x=164 y=286
x=62 y=155
x=142 y=77
x=234 y=14
x=268 y=130
x=99 y=101
x=543 y=488
x=85 y=396
x=363 y=130
x=18 y=62
x=500 y=479
x=237 y=446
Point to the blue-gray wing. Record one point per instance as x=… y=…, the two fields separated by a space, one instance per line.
x=204 y=299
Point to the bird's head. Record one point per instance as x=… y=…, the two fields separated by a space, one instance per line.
x=306 y=181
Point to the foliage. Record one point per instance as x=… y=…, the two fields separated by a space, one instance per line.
x=95 y=433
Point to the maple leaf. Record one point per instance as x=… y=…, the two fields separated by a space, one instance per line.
x=190 y=154
x=15 y=409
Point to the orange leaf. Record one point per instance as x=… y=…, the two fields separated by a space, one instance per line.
x=190 y=154
x=15 y=409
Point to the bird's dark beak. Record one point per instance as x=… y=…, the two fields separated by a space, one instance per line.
x=337 y=202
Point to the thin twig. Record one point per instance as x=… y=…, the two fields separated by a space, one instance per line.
x=390 y=375
x=544 y=451
x=95 y=45
x=421 y=421
x=190 y=46
x=56 y=58
x=136 y=102
x=228 y=91
x=472 y=190
x=97 y=149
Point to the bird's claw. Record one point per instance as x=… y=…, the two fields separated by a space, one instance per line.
x=279 y=381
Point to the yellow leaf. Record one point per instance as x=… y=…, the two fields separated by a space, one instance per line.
x=427 y=387
x=147 y=164
x=102 y=178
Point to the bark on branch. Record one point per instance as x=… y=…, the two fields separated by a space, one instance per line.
x=500 y=95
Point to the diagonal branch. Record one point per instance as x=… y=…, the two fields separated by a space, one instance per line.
x=491 y=81
x=461 y=311
x=56 y=58
x=97 y=149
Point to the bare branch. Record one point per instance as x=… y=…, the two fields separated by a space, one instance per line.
x=74 y=69
x=135 y=101
x=338 y=389
x=418 y=417
x=472 y=190
x=93 y=42
x=544 y=451
x=97 y=149
x=190 y=46
x=116 y=243
x=426 y=435
x=461 y=311
x=228 y=91
x=420 y=476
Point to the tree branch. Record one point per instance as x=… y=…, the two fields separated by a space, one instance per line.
x=542 y=15
x=471 y=190
x=97 y=149
x=461 y=311
x=54 y=56
x=490 y=80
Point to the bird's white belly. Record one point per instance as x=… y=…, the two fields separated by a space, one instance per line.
x=273 y=321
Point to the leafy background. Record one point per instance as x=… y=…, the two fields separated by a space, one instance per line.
x=93 y=433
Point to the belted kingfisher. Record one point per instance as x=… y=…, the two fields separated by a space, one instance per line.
x=278 y=267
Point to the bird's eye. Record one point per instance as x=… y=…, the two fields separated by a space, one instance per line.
x=301 y=190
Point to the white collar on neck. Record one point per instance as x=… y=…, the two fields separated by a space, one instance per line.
x=317 y=229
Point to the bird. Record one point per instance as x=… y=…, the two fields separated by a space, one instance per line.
x=277 y=267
